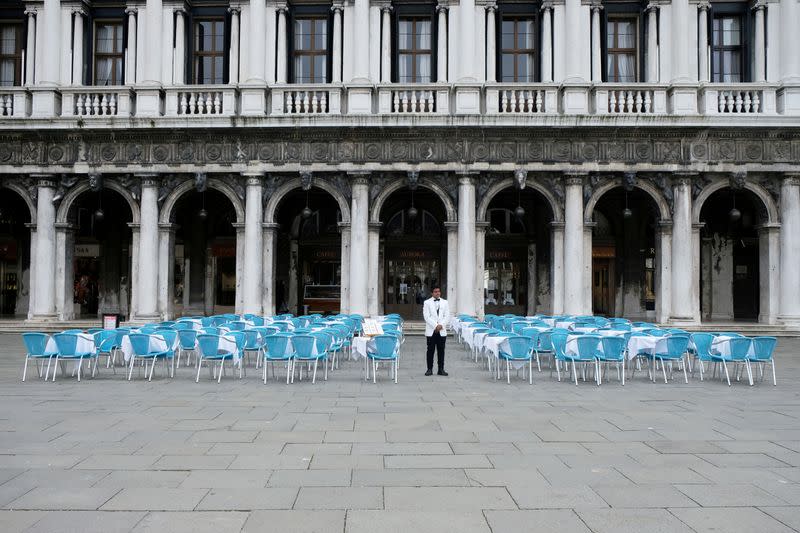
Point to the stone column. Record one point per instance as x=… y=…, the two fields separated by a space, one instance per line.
x=663 y=276
x=597 y=45
x=134 y=279
x=682 y=251
x=491 y=44
x=769 y=273
x=573 y=245
x=240 y=266
x=77 y=48
x=466 y=243
x=67 y=41
x=790 y=59
x=130 y=57
x=466 y=29
x=148 y=247
x=588 y=228
x=557 y=268
x=386 y=44
x=760 y=52
x=373 y=267
x=680 y=40
x=270 y=251
x=480 y=266
x=344 y=229
x=32 y=270
x=452 y=266
x=166 y=269
x=359 y=244
x=154 y=13
x=652 y=43
x=547 y=41
x=64 y=270
x=572 y=14
x=283 y=55
x=256 y=50
x=361 y=40
x=30 y=48
x=702 y=40
x=179 y=70
x=336 y=60
x=233 y=67
x=441 y=49
x=252 y=268
x=790 y=250
x=44 y=307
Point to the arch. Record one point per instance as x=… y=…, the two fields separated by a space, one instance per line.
x=275 y=199
x=165 y=214
x=66 y=203
x=396 y=185
x=652 y=191
x=483 y=206
x=25 y=197
x=760 y=192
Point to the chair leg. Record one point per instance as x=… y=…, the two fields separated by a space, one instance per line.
x=508 y=372
x=574 y=373
x=289 y=369
x=749 y=372
x=221 y=368
x=774 y=381
x=727 y=376
x=623 y=370
x=530 y=369
x=25 y=370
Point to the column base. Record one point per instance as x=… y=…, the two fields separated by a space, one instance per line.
x=45 y=102
x=39 y=319
x=359 y=99
x=683 y=99
x=788 y=99
x=253 y=101
x=683 y=321
x=146 y=318
x=468 y=99
x=790 y=321
x=149 y=102
x=575 y=99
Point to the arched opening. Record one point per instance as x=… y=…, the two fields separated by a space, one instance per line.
x=204 y=273
x=15 y=247
x=729 y=255
x=625 y=266
x=101 y=255
x=308 y=275
x=516 y=273
x=413 y=243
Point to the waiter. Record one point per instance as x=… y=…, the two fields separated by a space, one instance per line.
x=437 y=316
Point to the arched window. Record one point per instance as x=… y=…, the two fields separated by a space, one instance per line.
x=425 y=223
x=504 y=221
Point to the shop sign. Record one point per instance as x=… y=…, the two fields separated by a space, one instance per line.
x=500 y=255
x=414 y=254
x=87 y=250
x=323 y=254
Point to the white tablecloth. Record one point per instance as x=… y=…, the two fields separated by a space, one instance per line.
x=584 y=330
x=572 y=340
x=360 y=347
x=84 y=344
x=721 y=345
x=645 y=345
x=156 y=344
x=564 y=323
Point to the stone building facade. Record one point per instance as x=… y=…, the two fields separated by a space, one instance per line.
x=162 y=158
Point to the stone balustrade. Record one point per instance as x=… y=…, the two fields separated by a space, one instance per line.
x=437 y=99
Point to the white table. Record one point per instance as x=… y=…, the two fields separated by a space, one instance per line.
x=156 y=344
x=721 y=345
x=572 y=340
x=84 y=344
x=564 y=324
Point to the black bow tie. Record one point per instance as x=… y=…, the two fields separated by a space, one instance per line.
x=436 y=300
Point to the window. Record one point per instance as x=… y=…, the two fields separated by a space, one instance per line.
x=518 y=50
x=108 y=53
x=209 y=51
x=726 y=49
x=621 y=55
x=311 y=50
x=414 y=50
x=10 y=55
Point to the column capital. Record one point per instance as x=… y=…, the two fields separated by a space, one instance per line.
x=467 y=177
x=386 y=8
x=375 y=226
x=359 y=177
x=451 y=227
x=234 y=10
x=575 y=177
x=337 y=7
x=547 y=5
x=44 y=180
x=271 y=227
x=131 y=10
x=491 y=8
x=769 y=227
x=79 y=10
x=148 y=180
x=64 y=227
x=167 y=227
x=442 y=8
x=238 y=226
x=281 y=8
x=651 y=7
x=557 y=225
x=791 y=179
x=31 y=11
x=481 y=226
x=703 y=5
x=664 y=227
x=343 y=226
x=759 y=5
x=596 y=6
x=683 y=178
x=254 y=177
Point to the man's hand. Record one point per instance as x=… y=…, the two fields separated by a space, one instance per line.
x=438 y=327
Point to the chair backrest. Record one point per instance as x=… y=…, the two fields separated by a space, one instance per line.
x=532 y=334
x=105 y=340
x=72 y=331
x=655 y=332
x=763 y=348
x=324 y=340
x=558 y=341
x=740 y=346
x=211 y=330
x=169 y=336
x=257 y=321
x=252 y=339
x=588 y=346
x=305 y=345
x=140 y=343
x=35 y=343
x=614 y=347
x=208 y=344
x=729 y=334
x=385 y=345
x=183 y=325
x=519 y=347
x=66 y=343
x=677 y=345
x=187 y=338
x=238 y=336
x=236 y=325
x=276 y=344
x=545 y=341
x=702 y=343
x=92 y=331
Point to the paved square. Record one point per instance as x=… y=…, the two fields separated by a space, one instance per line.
x=462 y=454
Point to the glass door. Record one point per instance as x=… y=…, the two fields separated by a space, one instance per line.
x=408 y=284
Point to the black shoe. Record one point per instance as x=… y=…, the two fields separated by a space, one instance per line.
x=429 y=372
x=441 y=372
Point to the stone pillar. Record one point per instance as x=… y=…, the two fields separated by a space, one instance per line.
x=702 y=41
x=147 y=285
x=240 y=265
x=256 y=50
x=359 y=244
x=441 y=49
x=64 y=271
x=573 y=245
x=233 y=67
x=373 y=267
x=769 y=273
x=270 y=251
x=547 y=41
x=154 y=13
x=130 y=57
x=44 y=304
x=531 y=307
x=134 y=279
x=344 y=229
x=452 y=266
x=466 y=243
x=760 y=52
x=480 y=266
x=336 y=76
x=557 y=268
x=572 y=14
x=652 y=43
x=588 y=229
x=664 y=273
x=361 y=40
x=30 y=48
x=466 y=29
x=65 y=77
x=179 y=59
x=790 y=59
x=386 y=44
x=683 y=251
x=45 y=99
x=252 y=268
x=597 y=45
x=680 y=40
x=491 y=44
x=32 y=271
x=283 y=55
x=77 y=48
x=166 y=269
x=790 y=250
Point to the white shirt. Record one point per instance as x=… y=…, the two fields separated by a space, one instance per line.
x=435 y=314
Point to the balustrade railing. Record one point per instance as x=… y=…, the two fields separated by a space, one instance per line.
x=6 y=104
x=739 y=99
x=96 y=101
x=618 y=99
x=306 y=100
x=201 y=100
x=426 y=99
x=518 y=99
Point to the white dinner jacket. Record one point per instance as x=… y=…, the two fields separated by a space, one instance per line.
x=432 y=318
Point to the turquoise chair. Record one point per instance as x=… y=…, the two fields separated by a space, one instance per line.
x=520 y=349
x=187 y=344
x=210 y=351
x=588 y=352
x=36 y=348
x=106 y=342
x=674 y=351
x=614 y=352
x=740 y=355
x=763 y=348
x=386 y=349
x=67 y=344
x=533 y=334
x=308 y=349
x=277 y=347
x=702 y=348
x=140 y=344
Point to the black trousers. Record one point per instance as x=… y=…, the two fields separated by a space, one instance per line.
x=436 y=341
